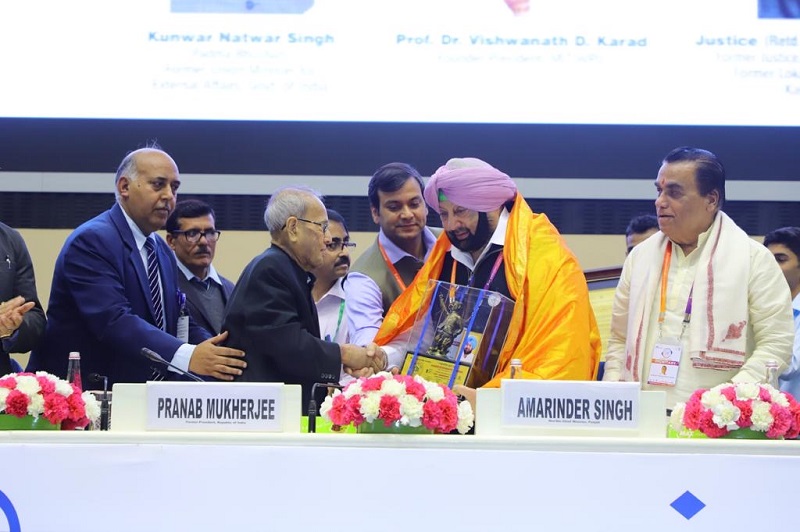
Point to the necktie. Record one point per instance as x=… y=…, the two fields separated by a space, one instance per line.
x=152 y=277
x=205 y=285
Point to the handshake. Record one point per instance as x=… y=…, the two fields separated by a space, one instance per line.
x=363 y=361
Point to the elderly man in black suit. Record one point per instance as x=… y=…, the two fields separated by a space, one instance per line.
x=271 y=314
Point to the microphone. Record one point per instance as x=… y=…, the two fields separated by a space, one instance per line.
x=155 y=357
x=312 y=404
x=104 y=406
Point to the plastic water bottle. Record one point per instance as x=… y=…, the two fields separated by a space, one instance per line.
x=772 y=373
x=74 y=370
x=516 y=368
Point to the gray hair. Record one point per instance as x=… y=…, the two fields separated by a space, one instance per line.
x=287 y=202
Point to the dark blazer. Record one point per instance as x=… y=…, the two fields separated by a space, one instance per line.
x=17 y=279
x=271 y=316
x=196 y=308
x=100 y=304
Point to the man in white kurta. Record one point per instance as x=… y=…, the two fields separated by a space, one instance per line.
x=739 y=316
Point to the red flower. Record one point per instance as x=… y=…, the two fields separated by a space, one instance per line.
x=389 y=409
x=8 y=382
x=745 y=413
x=373 y=384
x=17 y=403
x=414 y=388
x=46 y=385
x=56 y=408
x=710 y=428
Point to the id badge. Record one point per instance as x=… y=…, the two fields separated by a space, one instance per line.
x=183 y=329
x=665 y=362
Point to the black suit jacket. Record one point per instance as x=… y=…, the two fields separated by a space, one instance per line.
x=196 y=309
x=271 y=316
x=17 y=279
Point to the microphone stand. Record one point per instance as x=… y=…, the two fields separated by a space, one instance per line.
x=155 y=357
x=104 y=406
x=312 y=404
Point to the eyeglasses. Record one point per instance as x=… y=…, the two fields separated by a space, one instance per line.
x=323 y=225
x=337 y=245
x=193 y=235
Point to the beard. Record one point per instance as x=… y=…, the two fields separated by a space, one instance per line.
x=476 y=240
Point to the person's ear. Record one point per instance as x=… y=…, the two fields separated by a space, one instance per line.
x=123 y=186
x=713 y=199
x=171 y=241
x=375 y=216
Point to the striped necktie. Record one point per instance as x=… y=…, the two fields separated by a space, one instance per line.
x=152 y=277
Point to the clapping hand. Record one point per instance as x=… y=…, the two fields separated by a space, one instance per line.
x=12 y=312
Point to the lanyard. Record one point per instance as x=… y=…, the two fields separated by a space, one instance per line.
x=391 y=267
x=687 y=313
x=497 y=262
x=330 y=338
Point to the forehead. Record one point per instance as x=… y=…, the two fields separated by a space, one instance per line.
x=156 y=164
x=197 y=221
x=337 y=231
x=315 y=210
x=681 y=174
x=409 y=191
x=778 y=249
x=449 y=206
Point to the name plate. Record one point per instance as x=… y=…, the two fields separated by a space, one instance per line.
x=212 y=406
x=561 y=404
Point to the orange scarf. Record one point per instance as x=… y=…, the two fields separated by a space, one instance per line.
x=552 y=329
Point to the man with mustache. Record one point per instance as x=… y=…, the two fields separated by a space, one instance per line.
x=494 y=241
x=115 y=288
x=328 y=293
x=192 y=235
x=700 y=287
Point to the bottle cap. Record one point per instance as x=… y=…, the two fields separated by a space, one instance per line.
x=516 y=362
x=74 y=355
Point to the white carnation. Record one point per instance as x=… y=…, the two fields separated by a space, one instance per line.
x=28 y=385
x=411 y=411
x=63 y=388
x=762 y=419
x=747 y=390
x=393 y=388
x=370 y=406
x=712 y=398
x=676 y=418
x=726 y=415
x=3 y=395
x=466 y=417
x=354 y=388
x=36 y=405
x=92 y=406
x=435 y=393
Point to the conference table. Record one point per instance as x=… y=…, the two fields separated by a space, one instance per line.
x=173 y=481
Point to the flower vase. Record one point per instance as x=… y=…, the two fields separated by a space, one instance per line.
x=746 y=434
x=9 y=422
x=378 y=427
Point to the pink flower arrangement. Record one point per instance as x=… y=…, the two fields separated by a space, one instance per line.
x=43 y=394
x=409 y=401
x=729 y=407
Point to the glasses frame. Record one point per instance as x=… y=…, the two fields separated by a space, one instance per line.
x=338 y=247
x=323 y=225
x=200 y=234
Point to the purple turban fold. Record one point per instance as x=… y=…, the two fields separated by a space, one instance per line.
x=470 y=183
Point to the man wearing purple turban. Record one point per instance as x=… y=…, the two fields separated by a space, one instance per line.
x=487 y=224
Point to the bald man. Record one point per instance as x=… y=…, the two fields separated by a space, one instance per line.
x=493 y=240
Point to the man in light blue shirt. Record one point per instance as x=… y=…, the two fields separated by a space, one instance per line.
x=784 y=243
x=384 y=270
